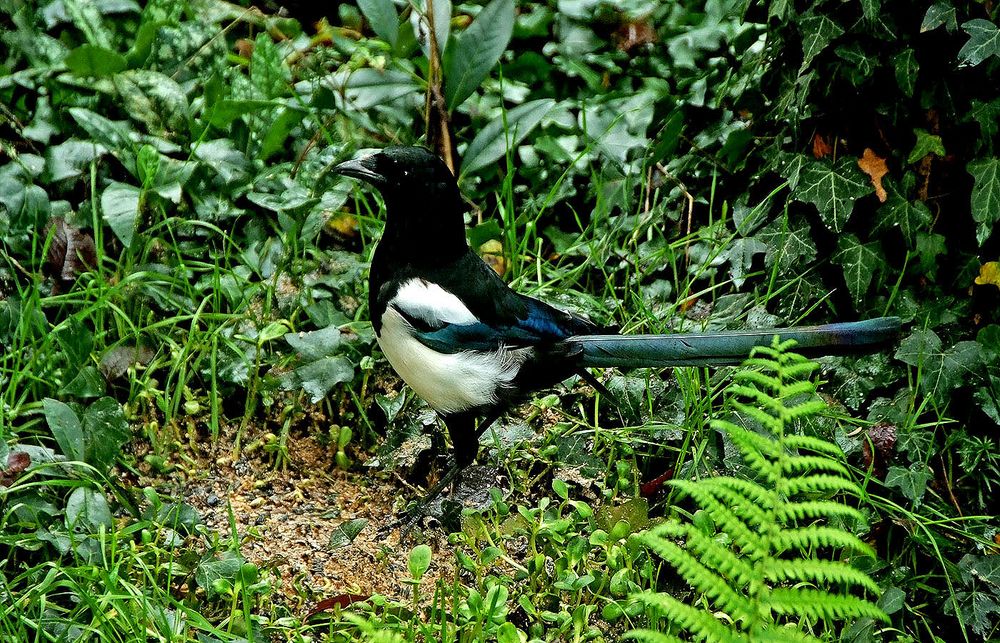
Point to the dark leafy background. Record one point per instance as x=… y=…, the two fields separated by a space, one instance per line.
x=175 y=248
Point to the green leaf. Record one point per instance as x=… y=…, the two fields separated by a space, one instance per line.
x=910 y=217
x=154 y=99
x=225 y=111
x=87 y=511
x=267 y=70
x=833 y=189
x=229 y=164
x=940 y=370
x=859 y=261
x=105 y=432
x=817 y=33
x=367 y=88
x=491 y=143
x=939 y=13
x=912 y=482
x=113 y=135
x=420 y=561
x=120 y=207
x=787 y=244
x=225 y=568
x=317 y=378
x=315 y=344
x=70 y=158
x=985 y=195
x=66 y=428
x=476 y=51
x=345 y=533
x=382 y=16
x=281 y=127
x=927 y=143
x=91 y=60
x=442 y=24
x=907 y=69
x=984 y=41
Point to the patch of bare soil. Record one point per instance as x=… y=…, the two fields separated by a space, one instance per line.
x=285 y=519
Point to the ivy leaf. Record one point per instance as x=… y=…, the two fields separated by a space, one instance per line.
x=833 y=189
x=315 y=344
x=120 y=207
x=859 y=261
x=927 y=143
x=789 y=245
x=985 y=195
x=899 y=212
x=491 y=142
x=984 y=41
x=317 y=378
x=740 y=254
x=940 y=370
x=381 y=15
x=939 y=13
x=476 y=51
x=912 y=482
x=817 y=32
x=907 y=69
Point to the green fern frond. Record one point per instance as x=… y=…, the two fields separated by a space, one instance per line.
x=779 y=570
x=813 y=509
x=764 y=580
x=702 y=579
x=651 y=636
x=818 y=604
x=815 y=536
x=819 y=483
x=698 y=622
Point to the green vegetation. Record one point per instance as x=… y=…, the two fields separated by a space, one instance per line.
x=182 y=283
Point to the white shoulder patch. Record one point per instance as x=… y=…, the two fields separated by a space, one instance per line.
x=431 y=303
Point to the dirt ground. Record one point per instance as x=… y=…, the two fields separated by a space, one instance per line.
x=285 y=520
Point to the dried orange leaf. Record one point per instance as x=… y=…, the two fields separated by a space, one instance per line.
x=821 y=148
x=874 y=166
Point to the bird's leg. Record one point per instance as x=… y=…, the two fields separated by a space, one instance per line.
x=465 y=436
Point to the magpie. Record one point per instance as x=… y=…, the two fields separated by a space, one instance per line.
x=471 y=347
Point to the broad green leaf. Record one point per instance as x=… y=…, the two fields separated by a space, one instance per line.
x=491 y=143
x=345 y=533
x=985 y=195
x=476 y=51
x=382 y=16
x=740 y=255
x=367 y=88
x=281 y=127
x=91 y=60
x=833 y=189
x=120 y=207
x=319 y=377
x=817 y=33
x=154 y=99
x=229 y=164
x=70 y=158
x=87 y=511
x=984 y=41
x=987 y=114
x=86 y=383
x=442 y=25
x=940 y=370
x=927 y=143
x=899 y=212
x=225 y=111
x=420 y=561
x=789 y=245
x=912 y=482
x=315 y=344
x=113 y=135
x=267 y=70
x=860 y=261
x=224 y=568
x=907 y=69
x=105 y=432
x=66 y=428
x=939 y=13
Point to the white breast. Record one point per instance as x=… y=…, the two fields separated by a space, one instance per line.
x=449 y=382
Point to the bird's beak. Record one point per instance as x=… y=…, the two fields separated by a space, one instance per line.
x=362 y=168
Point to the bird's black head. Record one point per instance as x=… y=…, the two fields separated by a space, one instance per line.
x=424 y=209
